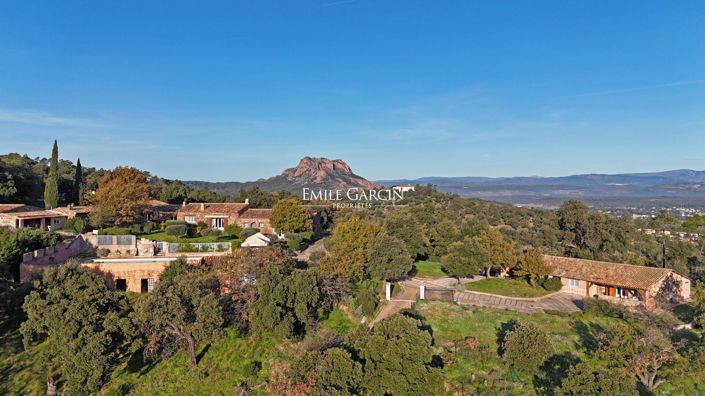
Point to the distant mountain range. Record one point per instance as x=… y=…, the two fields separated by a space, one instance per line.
x=310 y=172
x=682 y=187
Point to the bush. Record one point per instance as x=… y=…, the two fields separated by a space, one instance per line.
x=248 y=232
x=187 y=247
x=175 y=222
x=526 y=347
x=552 y=284
x=176 y=230
x=114 y=231
x=136 y=229
x=293 y=237
x=232 y=230
x=596 y=307
x=293 y=244
x=75 y=224
x=103 y=252
x=306 y=235
x=235 y=243
x=367 y=299
x=149 y=227
x=210 y=232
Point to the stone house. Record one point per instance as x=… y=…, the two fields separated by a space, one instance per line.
x=620 y=283
x=159 y=211
x=16 y=216
x=221 y=215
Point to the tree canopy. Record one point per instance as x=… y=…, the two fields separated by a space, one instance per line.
x=181 y=311
x=121 y=197
x=85 y=327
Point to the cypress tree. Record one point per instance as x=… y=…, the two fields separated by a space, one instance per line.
x=78 y=184
x=51 y=185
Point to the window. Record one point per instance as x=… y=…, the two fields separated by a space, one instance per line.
x=146 y=285
x=261 y=225
x=124 y=240
x=190 y=219
x=573 y=283
x=105 y=239
x=150 y=284
x=55 y=221
x=121 y=284
x=218 y=223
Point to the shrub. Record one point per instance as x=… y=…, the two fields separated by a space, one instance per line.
x=248 y=232
x=210 y=232
x=149 y=227
x=552 y=284
x=114 y=231
x=187 y=247
x=594 y=306
x=232 y=230
x=293 y=244
x=136 y=229
x=176 y=230
x=75 y=224
x=306 y=235
x=103 y=252
x=293 y=237
x=526 y=347
x=175 y=222
x=235 y=243
x=367 y=299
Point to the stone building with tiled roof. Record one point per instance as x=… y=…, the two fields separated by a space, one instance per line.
x=220 y=215
x=622 y=283
x=16 y=216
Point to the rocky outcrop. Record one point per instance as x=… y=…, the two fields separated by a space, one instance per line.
x=325 y=173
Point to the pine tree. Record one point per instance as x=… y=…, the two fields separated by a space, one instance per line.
x=78 y=184
x=51 y=185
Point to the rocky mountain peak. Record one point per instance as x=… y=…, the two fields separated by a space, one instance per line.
x=318 y=171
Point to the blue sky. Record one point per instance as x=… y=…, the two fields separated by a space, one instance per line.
x=399 y=89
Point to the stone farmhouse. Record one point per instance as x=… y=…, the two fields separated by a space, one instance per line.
x=620 y=283
x=221 y=215
x=16 y=216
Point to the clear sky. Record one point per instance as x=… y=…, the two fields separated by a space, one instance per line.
x=239 y=90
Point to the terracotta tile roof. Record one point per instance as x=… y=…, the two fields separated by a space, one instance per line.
x=33 y=214
x=5 y=208
x=214 y=208
x=75 y=209
x=256 y=214
x=606 y=273
x=155 y=204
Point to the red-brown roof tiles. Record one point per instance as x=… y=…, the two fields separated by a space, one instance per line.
x=606 y=273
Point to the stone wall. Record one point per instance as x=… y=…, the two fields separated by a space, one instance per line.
x=131 y=272
x=33 y=263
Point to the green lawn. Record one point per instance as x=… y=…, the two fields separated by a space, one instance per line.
x=338 y=322
x=428 y=269
x=163 y=237
x=507 y=287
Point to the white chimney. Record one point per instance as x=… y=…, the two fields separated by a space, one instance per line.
x=247 y=201
x=183 y=204
x=203 y=206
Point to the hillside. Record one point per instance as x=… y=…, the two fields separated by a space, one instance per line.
x=670 y=188
x=311 y=172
